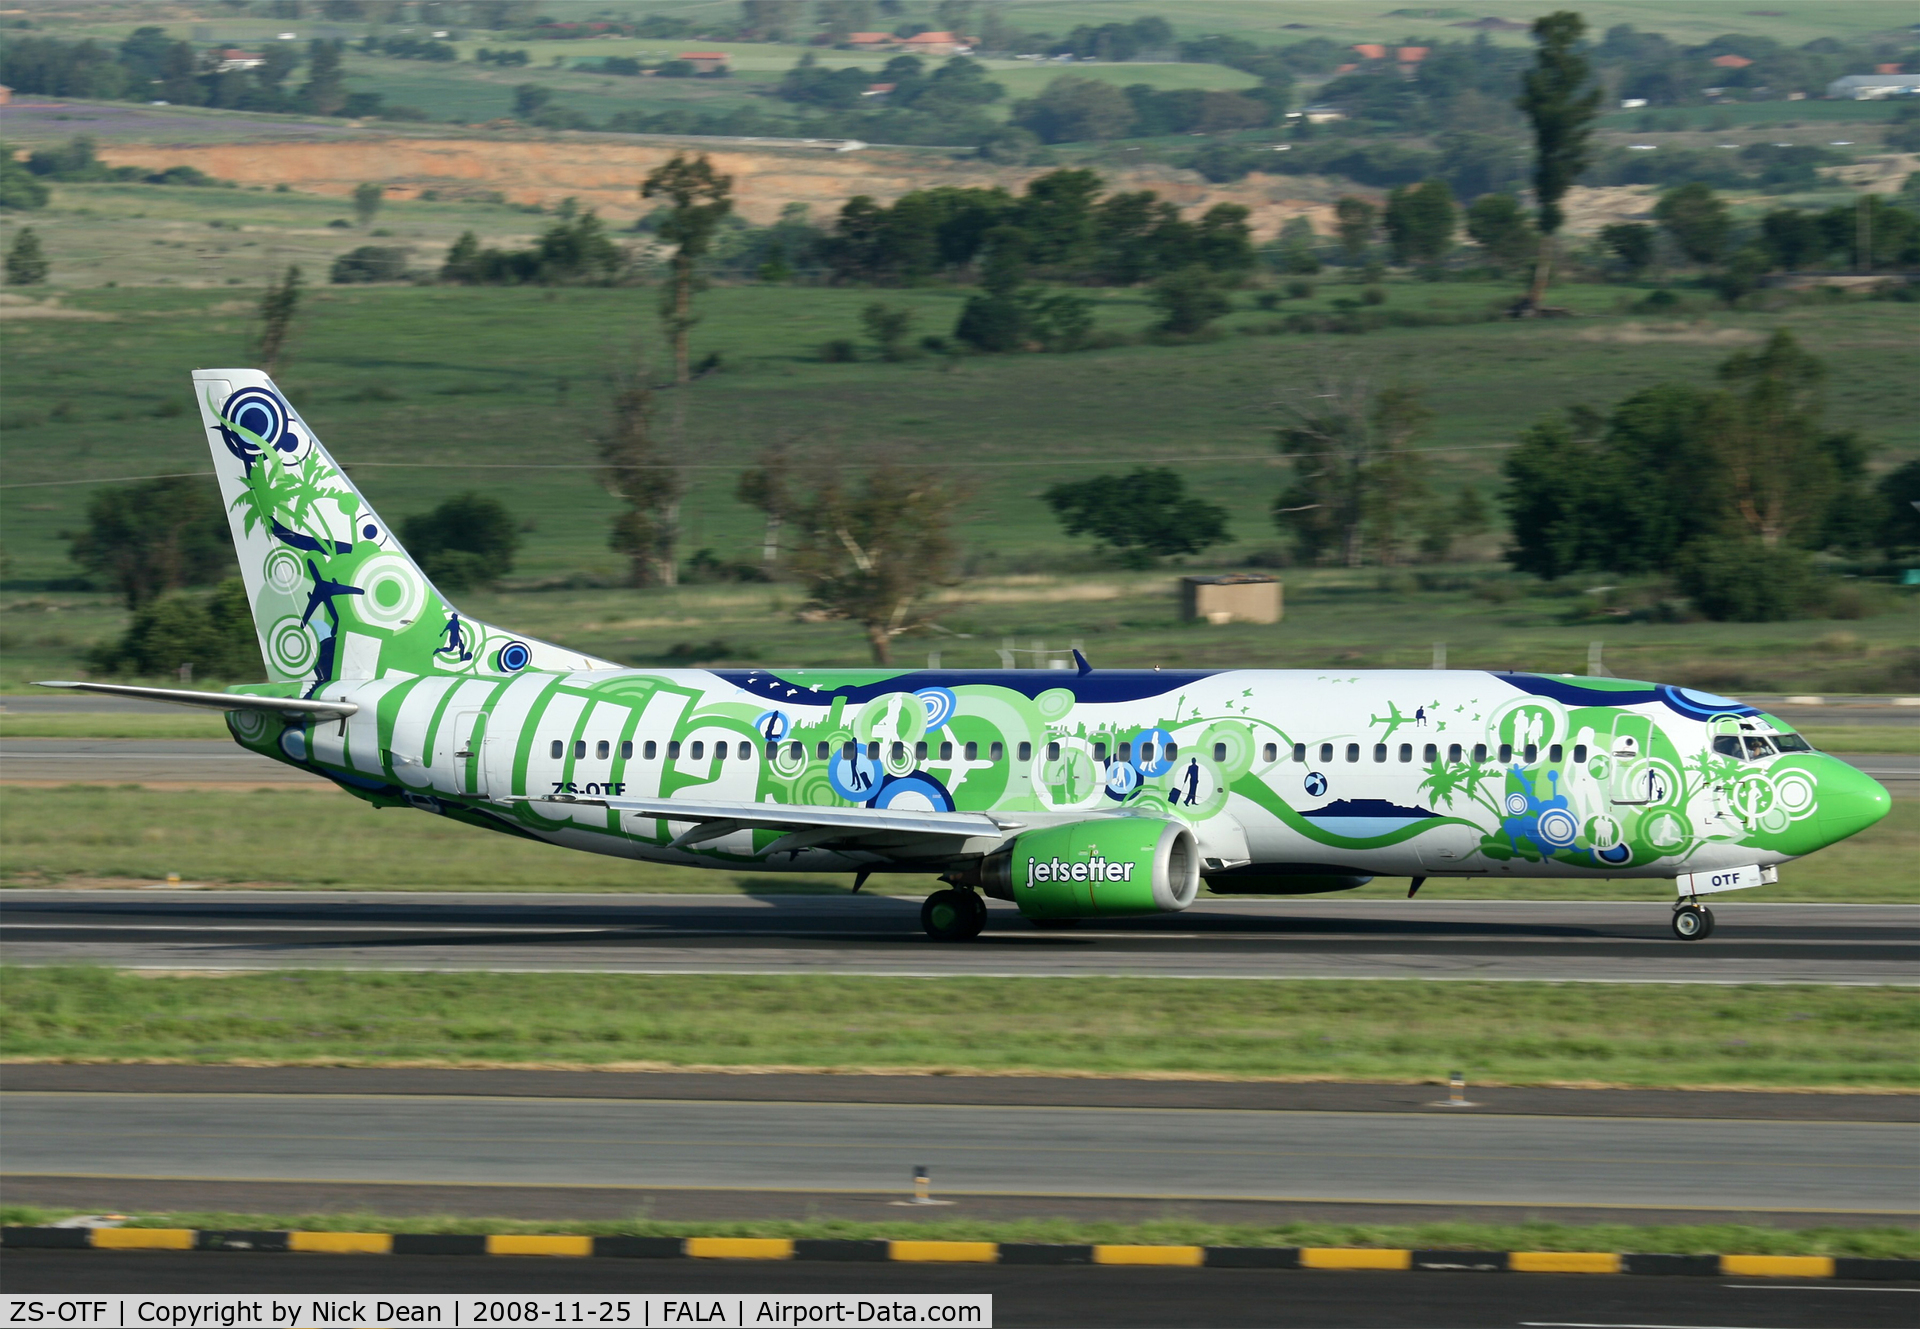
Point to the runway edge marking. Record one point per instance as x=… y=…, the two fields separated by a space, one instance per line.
x=983 y=1252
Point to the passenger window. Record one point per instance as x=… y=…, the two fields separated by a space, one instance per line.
x=850 y=750
x=1430 y=752
x=673 y=750
x=1173 y=750
x=1026 y=752
x=1053 y=752
x=971 y=752
x=1506 y=753
x=899 y=751
x=822 y=750
x=603 y=750
x=1579 y=754
x=1100 y=752
x=626 y=749
x=996 y=750
x=1379 y=751
x=796 y=752
x=649 y=750
x=1406 y=752
x=1326 y=752
x=1453 y=752
x=1300 y=752
x=946 y=752
x=1353 y=752
x=1126 y=752
x=579 y=749
x=873 y=749
x=1272 y=752
x=920 y=751
x=1479 y=751
x=773 y=750
x=699 y=751
x=1556 y=754
x=1533 y=753
x=1219 y=751
x=559 y=749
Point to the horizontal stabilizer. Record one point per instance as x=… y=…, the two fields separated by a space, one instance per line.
x=797 y=817
x=219 y=701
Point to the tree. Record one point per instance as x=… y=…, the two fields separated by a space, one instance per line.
x=1144 y=515
x=1188 y=300
x=768 y=486
x=636 y=471
x=26 y=260
x=211 y=636
x=462 y=262
x=1501 y=227
x=889 y=328
x=1072 y=110
x=371 y=263
x=1631 y=244
x=770 y=20
x=699 y=197
x=1420 y=222
x=529 y=99
x=367 y=198
x=1897 y=498
x=1353 y=222
x=325 y=91
x=1297 y=253
x=20 y=189
x=147 y=539
x=1560 y=98
x=1765 y=434
x=1696 y=219
x=278 y=305
x=873 y=553
x=468 y=541
x=1357 y=480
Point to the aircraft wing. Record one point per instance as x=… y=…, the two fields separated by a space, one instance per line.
x=220 y=701
x=814 y=825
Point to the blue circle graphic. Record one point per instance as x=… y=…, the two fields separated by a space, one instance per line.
x=1122 y=780
x=940 y=704
x=773 y=725
x=515 y=656
x=1160 y=740
x=912 y=791
x=1316 y=783
x=856 y=778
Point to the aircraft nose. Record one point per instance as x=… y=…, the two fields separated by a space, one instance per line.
x=1850 y=801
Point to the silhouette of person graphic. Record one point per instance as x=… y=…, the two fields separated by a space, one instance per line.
x=1193 y=781
x=1420 y=716
x=860 y=779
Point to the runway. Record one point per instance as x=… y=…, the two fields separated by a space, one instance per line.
x=1587 y=941
x=1164 y=1154
x=1117 y=1297
x=165 y=761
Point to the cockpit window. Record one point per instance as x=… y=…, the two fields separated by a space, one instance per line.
x=1728 y=746
x=1792 y=743
x=1758 y=748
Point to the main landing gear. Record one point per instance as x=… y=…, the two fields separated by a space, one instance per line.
x=953 y=915
x=1692 y=922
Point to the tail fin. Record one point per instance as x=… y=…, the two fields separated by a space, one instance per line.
x=334 y=596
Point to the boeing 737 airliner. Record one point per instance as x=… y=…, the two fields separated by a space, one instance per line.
x=1074 y=795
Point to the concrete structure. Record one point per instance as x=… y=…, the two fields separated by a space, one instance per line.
x=1233 y=597
x=705 y=62
x=1874 y=87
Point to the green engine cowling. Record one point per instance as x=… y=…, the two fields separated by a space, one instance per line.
x=1098 y=869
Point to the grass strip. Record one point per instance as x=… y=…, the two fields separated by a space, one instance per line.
x=1888 y=1242
x=1642 y=1035
x=128 y=836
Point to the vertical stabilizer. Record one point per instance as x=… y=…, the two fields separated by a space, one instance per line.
x=335 y=598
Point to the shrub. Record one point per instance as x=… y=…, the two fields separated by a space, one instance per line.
x=1374 y=295
x=371 y=263
x=468 y=541
x=213 y=634
x=839 y=351
x=1188 y=300
x=1737 y=579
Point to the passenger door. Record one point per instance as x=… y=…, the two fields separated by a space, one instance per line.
x=469 y=744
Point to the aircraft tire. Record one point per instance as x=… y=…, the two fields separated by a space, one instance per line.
x=1692 y=923
x=953 y=915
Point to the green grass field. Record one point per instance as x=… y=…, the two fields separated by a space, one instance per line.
x=1575 y=1034
x=82 y=835
x=1701 y=1239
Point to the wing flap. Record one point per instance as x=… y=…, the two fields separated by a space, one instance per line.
x=219 y=701
x=797 y=817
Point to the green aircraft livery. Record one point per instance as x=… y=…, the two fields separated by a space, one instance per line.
x=1073 y=794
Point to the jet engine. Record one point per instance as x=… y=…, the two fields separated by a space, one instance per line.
x=1095 y=869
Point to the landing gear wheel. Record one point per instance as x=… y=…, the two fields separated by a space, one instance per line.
x=953 y=915
x=1692 y=923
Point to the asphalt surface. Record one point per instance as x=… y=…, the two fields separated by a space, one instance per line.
x=1117 y=1297
x=1595 y=941
x=219 y=761
x=1140 y=1153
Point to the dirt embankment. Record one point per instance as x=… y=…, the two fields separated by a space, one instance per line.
x=605 y=175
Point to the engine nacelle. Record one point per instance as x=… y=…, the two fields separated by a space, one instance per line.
x=1096 y=869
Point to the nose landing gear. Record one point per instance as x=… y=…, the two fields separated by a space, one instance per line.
x=953 y=915
x=1692 y=922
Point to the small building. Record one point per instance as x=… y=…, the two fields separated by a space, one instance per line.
x=879 y=89
x=233 y=58
x=936 y=43
x=1323 y=115
x=1370 y=51
x=705 y=62
x=1874 y=87
x=1730 y=61
x=1232 y=597
x=6 y=94
x=1411 y=55
x=872 y=41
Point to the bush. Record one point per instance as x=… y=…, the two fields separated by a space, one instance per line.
x=1737 y=579
x=212 y=633
x=370 y=263
x=468 y=541
x=839 y=351
x=1188 y=300
x=1374 y=295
